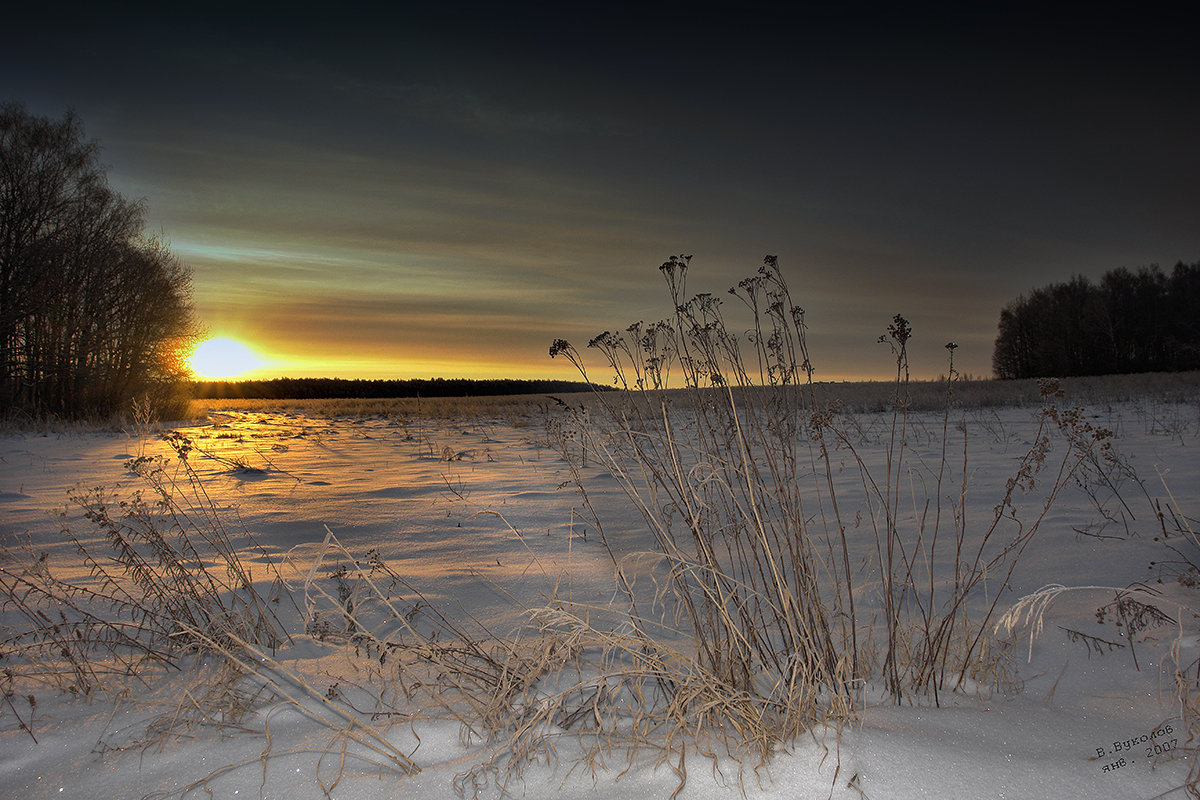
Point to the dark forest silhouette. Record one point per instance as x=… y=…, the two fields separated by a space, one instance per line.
x=93 y=313
x=312 y=388
x=1131 y=321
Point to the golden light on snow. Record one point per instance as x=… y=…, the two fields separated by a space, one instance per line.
x=223 y=359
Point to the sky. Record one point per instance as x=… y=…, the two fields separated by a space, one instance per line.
x=418 y=193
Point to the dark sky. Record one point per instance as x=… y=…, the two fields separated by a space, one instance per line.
x=413 y=193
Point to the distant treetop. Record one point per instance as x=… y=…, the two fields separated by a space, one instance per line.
x=324 y=388
x=1132 y=321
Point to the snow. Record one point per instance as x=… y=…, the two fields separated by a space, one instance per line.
x=479 y=514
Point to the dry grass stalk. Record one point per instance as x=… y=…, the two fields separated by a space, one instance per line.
x=734 y=476
x=1187 y=675
x=169 y=567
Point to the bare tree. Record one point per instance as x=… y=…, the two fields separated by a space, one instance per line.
x=92 y=312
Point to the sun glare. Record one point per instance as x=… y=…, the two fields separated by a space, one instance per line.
x=223 y=359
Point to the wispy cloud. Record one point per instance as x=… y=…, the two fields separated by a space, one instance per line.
x=456 y=191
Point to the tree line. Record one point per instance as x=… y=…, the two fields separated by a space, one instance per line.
x=93 y=312
x=313 y=388
x=1141 y=320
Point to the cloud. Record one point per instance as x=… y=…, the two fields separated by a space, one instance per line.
x=346 y=185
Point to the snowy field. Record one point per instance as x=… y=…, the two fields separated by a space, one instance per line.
x=473 y=520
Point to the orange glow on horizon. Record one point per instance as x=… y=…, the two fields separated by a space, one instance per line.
x=230 y=359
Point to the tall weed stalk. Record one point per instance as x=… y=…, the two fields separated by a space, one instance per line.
x=722 y=444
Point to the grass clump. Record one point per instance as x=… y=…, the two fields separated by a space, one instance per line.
x=723 y=443
x=166 y=578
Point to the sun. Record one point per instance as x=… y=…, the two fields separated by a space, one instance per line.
x=223 y=359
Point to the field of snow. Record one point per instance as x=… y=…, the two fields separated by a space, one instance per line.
x=476 y=520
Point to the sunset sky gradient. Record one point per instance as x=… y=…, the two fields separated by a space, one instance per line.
x=419 y=193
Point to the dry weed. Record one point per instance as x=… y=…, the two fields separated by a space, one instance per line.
x=734 y=476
